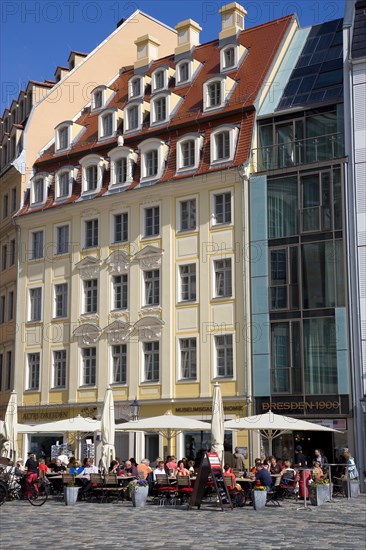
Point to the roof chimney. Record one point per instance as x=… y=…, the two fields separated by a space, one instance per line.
x=147 y=50
x=232 y=20
x=188 y=36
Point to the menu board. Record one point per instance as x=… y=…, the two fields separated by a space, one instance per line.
x=210 y=465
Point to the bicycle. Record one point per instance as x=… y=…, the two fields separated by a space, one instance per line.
x=14 y=488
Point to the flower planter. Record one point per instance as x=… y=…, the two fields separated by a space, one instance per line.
x=139 y=496
x=320 y=493
x=259 y=500
x=354 y=488
x=71 y=495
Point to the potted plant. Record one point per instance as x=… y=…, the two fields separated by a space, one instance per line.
x=138 y=490
x=320 y=492
x=351 y=487
x=70 y=494
x=259 y=496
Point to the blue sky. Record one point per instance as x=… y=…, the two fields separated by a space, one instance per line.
x=36 y=36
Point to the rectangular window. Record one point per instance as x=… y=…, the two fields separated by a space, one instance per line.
x=120 y=290
x=120 y=167
x=222 y=208
x=222 y=145
x=159 y=80
x=320 y=356
x=214 y=94
x=5 y=206
x=107 y=125
x=91 y=174
x=160 y=109
x=281 y=358
x=2 y=309
x=188 y=220
x=14 y=199
x=223 y=278
x=37 y=245
x=187 y=282
x=119 y=357
x=91 y=296
x=136 y=87
x=11 y=305
x=38 y=191
x=12 y=252
x=151 y=163
x=151 y=361
x=63 y=184
x=224 y=356
x=133 y=117
x=34 y=363
x=98 y=99
x=61 y=299
x=89 y=356
x=8 y=370
x=187 y=149
x=229 y=58
x=318 y=279
x=152 y=287
x=35 y=296
x=91 y=233
x=121 y=227
x=282 y=204
x=279 y=279
x=59 y=368
x=62 y=236
x=63 y=138
x=152 y=221
x=183 y=72
x=188 y=358
x=4 y=257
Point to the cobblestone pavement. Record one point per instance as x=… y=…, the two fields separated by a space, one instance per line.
x=339 y=524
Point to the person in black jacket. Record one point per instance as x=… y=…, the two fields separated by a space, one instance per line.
x=300 y=458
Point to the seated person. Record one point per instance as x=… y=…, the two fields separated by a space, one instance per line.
x=287 y=473
x=256 y=462
x=43 y=468
x=89 y=468
x=160 y=469
x=130 y=469
x=171 y=463
x=190 y=466
x=77 y=468
x=317 y=471
x=57 y=467
x=274 y=467
x=144 y=467
x=181 y=469
x=263 y=476
x=229 y=473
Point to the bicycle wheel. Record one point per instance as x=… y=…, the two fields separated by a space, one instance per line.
x=3 y=492
x=38 y=498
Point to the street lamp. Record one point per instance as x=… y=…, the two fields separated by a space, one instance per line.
x=135 y=414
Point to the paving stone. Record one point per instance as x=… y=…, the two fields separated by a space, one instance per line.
x=339 y=524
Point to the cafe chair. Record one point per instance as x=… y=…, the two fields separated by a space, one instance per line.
x=184 y=488
x=165 y=491
x=111 y=488
x=237 y=497
x=288 y=490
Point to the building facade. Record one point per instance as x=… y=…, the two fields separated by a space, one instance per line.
x=133 y=271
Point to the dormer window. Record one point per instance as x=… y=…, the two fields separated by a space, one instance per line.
x=159 y=79
x=159 y=109
x=38 y=189
x=229 y=57
x=64 y=181
x=135 y=87
x=216 y=91
x=133 y=118
x=122 y=160
x=134 y=114
x=107 y=125
x=223 y=144
x=183 y=72
x=98 y=99
x=63 y=137
x=188 y=152
x=153 y=155
x=92 y=173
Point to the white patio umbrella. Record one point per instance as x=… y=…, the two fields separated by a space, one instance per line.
x=217 y=423
x=272 y=425
x=168 y=425
x=107 y=429
x=11 y=427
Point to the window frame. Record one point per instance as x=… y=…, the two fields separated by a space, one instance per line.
x=144 y=379
x=153 y=283
x=33 y=254
x=224 y=270
x=154 y=75
x=154 y=109
x=83 y=383
x=179 y=374
x=113 y=227
x=131 y=83
x=112 y=114
x=91 y=244
x=221 y=80
x=135 y=104
x=71 y=171
x=114 y=382
x=28 y=373
x=179 y=81
x=87 y=162
x=223 y=66
x=144 y=232
x=55 y=386
x=124 y=293
x=179 y=203
x=198 y=143
x=145 y=148
x=94 y=296
x=117 y=154
x=65 y=302
x=180 y=299
x=233 y=139
x=58 y=250
x=225 y=376
x=65 y=128
x=214 y=194
x=31 y=307
x=46 y=181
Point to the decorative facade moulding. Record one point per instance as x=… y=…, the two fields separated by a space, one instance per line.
x=87 y=333
x=119 y=315
x=88 y=267
x=153 y=311
x=149 y=257
x=89 y=213
x=148 y=328
x=119 y=262
x=118 y=332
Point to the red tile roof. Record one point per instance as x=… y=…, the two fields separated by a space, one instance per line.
x=262 y=43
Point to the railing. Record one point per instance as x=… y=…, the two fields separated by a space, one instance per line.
x=295 y=153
